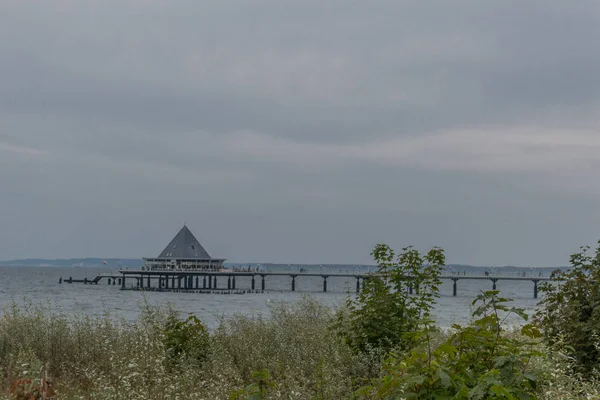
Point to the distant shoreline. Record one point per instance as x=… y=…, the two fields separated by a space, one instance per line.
x=136 y=263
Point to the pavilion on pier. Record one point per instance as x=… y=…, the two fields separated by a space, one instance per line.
x=184 y=253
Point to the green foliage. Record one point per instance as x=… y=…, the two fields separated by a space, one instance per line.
x=261 y=382
x=185 y=340
x=383 y=315
x=478 y=361
x=292 y=354
x=571 y=309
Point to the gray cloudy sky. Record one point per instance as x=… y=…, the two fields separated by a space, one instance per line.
x=304 y=131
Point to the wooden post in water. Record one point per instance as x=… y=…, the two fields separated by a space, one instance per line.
x=263 y=283
x=229 y=282
x=215 y=283
x=253 y=282
x=357 y=284
x=454 y=286
x=122 y=279
x=148 y=282
x=203 y=281
x=535 y=288
x=325 y=282
x=233 y=282
x=494 y=280
x=197 y=282
x=293 y=283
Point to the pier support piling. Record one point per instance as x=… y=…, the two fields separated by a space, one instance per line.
x=325 y=282
x=262 y=285
x=233 y=282
x=357 y=284
x=494 y=283
x=454 y=280
x=293 y=283
x=535 y=288
x=253 y=282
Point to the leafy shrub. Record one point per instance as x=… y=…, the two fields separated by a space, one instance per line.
x=478 y=361
x=571 y=309
x=258 y=389
x=561 y=379
x=185 y=340
x=384 y=315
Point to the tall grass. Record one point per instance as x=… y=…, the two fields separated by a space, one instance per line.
x=293 y=353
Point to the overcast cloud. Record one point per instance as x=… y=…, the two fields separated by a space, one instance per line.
x=303 y=131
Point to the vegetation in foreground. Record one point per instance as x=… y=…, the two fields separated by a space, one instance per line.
x=382 y=345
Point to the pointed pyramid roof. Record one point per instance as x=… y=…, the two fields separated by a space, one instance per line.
x=184 y=245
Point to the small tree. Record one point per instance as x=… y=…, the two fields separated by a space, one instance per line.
x=384 y=314
x=476 y=362
x=185 y=341
x=571 y=308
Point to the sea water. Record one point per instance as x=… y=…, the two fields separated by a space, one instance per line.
x=41 y=284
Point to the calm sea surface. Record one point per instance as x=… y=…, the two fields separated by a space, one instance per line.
x=34 y=284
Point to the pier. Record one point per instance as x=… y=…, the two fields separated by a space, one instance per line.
x=185 y=266
x=201 y=281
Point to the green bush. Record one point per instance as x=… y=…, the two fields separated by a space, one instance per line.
x=571 y=309
x=258 y=389
x=478 y=361
x=384 y=315
x=185 y=341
